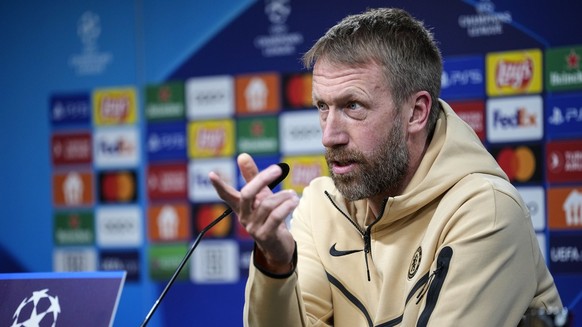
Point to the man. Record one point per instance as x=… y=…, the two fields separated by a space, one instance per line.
x=417 y=225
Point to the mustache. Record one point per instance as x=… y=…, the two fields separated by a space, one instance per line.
x=343 y=155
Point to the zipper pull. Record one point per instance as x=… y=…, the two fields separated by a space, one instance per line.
x=367 y=250
x=426 y=286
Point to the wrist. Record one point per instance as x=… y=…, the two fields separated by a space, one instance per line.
x=275 y=270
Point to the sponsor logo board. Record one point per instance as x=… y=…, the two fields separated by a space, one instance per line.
x=463 y=77
x=204 y=214
x=165 y=101
x=534 y=198
x=473 y=113
x=515 y=119
x=303 y=169
x=69 y=109
x=565 y=253
x=169 y=222
x=127 y=261
x=564 y=116
x=564 y=161
x=73 y=188
x=514 y=72
x=165 y=259
x=199 y=187
x=115 y=106
x=116 y=147
x=118 y=226
x=521 y=163
x=166 y=141
x=257 y=135
x=300 y=132
x=563 y=71
x=215 y=262
x=297 y=91
x=211 y=138
x=565 y=208
x=117 y=186
x=75 y=259
x=71 y=148
x=167 y=181
x=210 y=97
x=74 y=228
x=257 y=94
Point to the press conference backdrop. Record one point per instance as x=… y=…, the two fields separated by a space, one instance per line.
x=114 y=113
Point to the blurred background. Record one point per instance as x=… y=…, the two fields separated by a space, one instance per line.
x=113 y=112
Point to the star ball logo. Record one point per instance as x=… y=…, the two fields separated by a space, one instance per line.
x=41 y=309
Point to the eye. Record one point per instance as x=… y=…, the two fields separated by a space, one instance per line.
x=322 y=106
x=353 y=106
x=355 y=110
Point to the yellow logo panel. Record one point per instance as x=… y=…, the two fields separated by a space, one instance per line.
x=211 y=138
x=302 y=170
x=514 y=72
x=115 y=106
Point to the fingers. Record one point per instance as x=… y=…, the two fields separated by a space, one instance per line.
x=271 y=213
x=259 y=183
x=247 y=166
x=226 y=192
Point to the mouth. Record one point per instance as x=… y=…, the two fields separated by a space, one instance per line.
x=342 y=167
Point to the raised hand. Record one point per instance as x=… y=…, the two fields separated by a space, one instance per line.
x=262 y=213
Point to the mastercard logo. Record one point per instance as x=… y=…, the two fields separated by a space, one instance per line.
x=518 y=163
x=119 y=186
x=206 y=213
x=298 y=91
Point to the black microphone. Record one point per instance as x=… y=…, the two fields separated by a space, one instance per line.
x=284 y=173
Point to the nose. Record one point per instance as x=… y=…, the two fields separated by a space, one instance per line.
x=333 y=129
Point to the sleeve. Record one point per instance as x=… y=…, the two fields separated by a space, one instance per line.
x=486 y=268
x=300 y=299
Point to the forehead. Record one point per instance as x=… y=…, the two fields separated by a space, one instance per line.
x=333 y=77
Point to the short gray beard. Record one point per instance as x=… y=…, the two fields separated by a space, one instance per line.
x=381 y=172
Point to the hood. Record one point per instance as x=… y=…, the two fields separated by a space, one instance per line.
x=455 y=151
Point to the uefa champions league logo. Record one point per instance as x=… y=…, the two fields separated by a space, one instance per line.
x=39 y=310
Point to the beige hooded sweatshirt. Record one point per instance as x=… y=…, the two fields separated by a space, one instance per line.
x=457 y=248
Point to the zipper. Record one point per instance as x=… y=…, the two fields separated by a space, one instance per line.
x=366 y=235
x=433 y=290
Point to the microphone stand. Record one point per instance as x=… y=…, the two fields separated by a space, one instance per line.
x=182 y=264
x=284 y=172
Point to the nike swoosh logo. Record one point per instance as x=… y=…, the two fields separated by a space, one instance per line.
x=338 y=253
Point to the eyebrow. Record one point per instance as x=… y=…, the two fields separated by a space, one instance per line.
x=344 y=97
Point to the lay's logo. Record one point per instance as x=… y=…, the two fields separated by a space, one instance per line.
x=115 y=106
x=303 y=169
x=518 y=72
x=514 y=74
x=211 y=138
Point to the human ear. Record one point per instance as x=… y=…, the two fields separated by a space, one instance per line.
x=419 y=112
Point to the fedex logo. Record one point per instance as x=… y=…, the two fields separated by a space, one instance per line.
x=514 y=119
x=116 y=147
x=520 y=118
x=199 y=186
